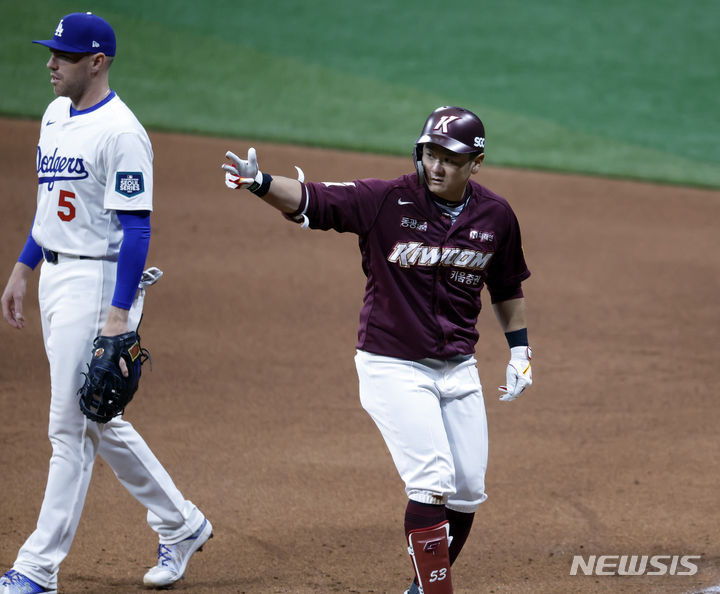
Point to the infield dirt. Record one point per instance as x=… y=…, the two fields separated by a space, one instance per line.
x=252 y=400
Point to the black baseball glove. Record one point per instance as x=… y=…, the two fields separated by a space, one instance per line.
x=106 y=392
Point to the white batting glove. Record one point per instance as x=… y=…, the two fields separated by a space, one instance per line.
x=518 y=375
x=241 y=174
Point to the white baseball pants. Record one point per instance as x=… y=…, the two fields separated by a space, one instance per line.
x=74 y=297
x=431 y=414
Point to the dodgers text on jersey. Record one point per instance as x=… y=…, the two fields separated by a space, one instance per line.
x=60 y=167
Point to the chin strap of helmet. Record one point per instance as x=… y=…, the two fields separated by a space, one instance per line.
x=417 y=157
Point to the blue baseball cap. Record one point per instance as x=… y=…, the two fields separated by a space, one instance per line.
x=80 y=33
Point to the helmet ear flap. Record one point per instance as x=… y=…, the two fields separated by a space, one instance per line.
x=417 y=153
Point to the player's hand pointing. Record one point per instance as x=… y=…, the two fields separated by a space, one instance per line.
x=241 y=173
x=518 y=375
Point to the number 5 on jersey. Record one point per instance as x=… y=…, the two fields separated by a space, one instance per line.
x=66 y=209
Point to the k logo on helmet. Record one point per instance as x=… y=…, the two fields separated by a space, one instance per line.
x=443 y=123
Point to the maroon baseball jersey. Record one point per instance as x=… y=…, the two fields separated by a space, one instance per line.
x=424 y=273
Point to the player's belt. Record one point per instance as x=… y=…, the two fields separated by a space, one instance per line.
x=54 y=257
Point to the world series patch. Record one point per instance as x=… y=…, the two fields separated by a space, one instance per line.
x=129 y=183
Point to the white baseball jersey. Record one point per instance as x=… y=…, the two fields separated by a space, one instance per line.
x=89 y=165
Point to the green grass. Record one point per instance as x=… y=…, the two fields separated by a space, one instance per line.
x=623 y=88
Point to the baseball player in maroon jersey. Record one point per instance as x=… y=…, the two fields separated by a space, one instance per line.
x=430 y=241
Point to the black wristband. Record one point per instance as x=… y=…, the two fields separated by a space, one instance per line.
x=517 y=338
x=262 y=188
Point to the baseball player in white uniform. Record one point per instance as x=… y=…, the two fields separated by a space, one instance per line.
x=91 y=232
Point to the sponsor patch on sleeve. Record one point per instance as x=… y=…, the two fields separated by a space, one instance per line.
x=129 y=183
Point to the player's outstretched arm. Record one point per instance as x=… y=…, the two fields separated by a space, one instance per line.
x=13 y=295
x=282 y=193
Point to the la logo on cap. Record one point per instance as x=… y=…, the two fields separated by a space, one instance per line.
x=82 y=32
